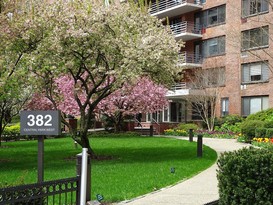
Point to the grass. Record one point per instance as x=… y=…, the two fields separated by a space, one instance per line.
x=139 y=164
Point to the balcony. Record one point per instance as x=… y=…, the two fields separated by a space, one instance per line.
x=182 y=90
x=186 y=30
x=178 y=90
x=189 y=60
x=170 y=8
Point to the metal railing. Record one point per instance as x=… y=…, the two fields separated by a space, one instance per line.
x=186 y=57
x=158 y=125
x=179 y=86
x=184 y=27
x=63 y=191
x=158 y=6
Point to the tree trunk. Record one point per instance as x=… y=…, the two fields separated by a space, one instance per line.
x=1 y=132
x=85 y=144
x=118 y=121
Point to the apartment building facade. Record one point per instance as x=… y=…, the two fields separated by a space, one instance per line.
x=232 y=37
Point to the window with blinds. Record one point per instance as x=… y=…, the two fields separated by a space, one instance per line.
x=255 y=72
x=224 y=107
x=254 y=104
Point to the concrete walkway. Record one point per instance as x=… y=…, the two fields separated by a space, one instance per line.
x=199 y=190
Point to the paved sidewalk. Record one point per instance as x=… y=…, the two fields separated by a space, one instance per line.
x=199 y=190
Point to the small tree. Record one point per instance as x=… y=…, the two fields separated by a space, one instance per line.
x=142 y=97
x=207 y=86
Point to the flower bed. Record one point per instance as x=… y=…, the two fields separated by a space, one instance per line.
x=262 y=142
x=205 y=133
x=176 y=132
x=217 y=134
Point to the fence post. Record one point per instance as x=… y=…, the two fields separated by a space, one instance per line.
x=88 y=178
x=151 y=130
x=199 y=145
x=190 y=135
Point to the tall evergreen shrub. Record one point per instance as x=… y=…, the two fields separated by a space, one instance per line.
x=246 y=177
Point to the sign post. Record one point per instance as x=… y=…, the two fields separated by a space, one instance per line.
x=40 y=123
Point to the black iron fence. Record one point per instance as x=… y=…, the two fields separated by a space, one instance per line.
x=59 y=192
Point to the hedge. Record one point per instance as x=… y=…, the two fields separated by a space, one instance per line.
x=248 y=128
x=12 y=129
x=246 y=177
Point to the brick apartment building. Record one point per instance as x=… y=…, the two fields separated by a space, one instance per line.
x=232 y=37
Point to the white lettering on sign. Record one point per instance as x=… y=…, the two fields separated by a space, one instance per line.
x=39 y=120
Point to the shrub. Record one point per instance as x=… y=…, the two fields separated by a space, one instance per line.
x=268 y=124
x=260 y=132
x=269 y=133
x=245 y=177
x=263 y=115
x=248 y=128
x=12 y=129
x=230 y=123
x=232 y=119
x=187 y=126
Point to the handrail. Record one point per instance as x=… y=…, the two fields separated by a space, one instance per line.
x=184 y=27
x=187 y=57
x=158 y=6
x=179 y=86
x=138 y=122
x=152 y=119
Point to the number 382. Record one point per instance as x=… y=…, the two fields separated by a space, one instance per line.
x=39 y=120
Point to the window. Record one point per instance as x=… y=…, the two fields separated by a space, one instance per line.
x=254 y=7
x=154 y=117
x=177 y=111
x=213 y=47
x=255 y=38
x=255 y=72
x=224 y=107
x=252 y=105
x=213 y=77
x=166 y=114
x=213 y=16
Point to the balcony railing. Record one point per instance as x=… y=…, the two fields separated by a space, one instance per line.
x=189 y=58
x=159 y=6
x=179 y=86
x=179 y=89
x=186 y=30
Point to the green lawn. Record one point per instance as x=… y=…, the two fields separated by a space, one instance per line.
x=139 y=164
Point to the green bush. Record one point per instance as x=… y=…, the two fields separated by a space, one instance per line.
x=248 y=128
x=230 y=123
x=12 y=129
x=232 y=119
x=187 y=126
x=268 y=124
x=264 y=115
x=260 y=132
x=269 y=133
x=245 y=177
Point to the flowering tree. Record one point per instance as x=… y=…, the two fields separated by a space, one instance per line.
x=15 y=83
x=142 y=97
x=99 y=49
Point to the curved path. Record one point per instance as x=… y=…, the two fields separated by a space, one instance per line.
x=198 y=190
